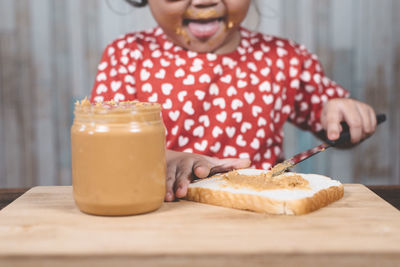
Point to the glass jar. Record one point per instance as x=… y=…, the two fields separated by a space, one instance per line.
x=118 y=157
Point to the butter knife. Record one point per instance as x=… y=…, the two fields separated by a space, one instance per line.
x=343 y=139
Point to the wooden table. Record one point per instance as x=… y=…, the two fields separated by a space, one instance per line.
x=390 y=193
x=44 y=228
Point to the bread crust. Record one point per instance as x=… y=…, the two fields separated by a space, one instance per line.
x=263 y=204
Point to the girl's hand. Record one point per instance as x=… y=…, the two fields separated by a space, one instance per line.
x=183 y=167
x=359 y=116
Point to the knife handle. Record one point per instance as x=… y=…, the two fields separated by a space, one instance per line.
x=345 y=137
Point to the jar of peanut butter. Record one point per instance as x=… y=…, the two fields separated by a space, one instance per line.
x=118 y=157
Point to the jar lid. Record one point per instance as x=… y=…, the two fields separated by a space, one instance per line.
x=114 y=107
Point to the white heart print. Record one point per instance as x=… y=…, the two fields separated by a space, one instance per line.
x=260 y=133
x=214 y=90
x=119 y=97
x=205 y=120
x=238 y=116
x=205 y=78
x=245 y=127
x=255 y=144
x=268 y=99
x=240 y=141
x=148 y=63
x=265 y=87
x=241 y=84
x=254 y=79
x=229 y=151
x=113 y=72
x=147 y=87
x=216 y=147
x=219 y=102
x=129 y=79
x=166 y=88
x=236 y=103
x=216 y=131
x=249 y=97
x=179 y=73
x=103 y=66
x=174 y=130
x=198 y=131
x=160 y=74
x=199 y=94
x=115 y=85
x=182 y=141
x=99 y=99
x=167 y=104
x=174 y=115
x=101 y=77
x=221 y=117
x=231 y=91
x=188 y=124
x=189 y=80
x=201 y=146
x=122 y=70
x=188 y=108
x=226 y=79
x=258 y=55
x=230 y=131
x=165 y=63
x=153 y=98
x=261 y=122
x=181 y=95
x=144 y=75
x=255 y=110
x=130 y=89
x=101 y=88
x=206 y=105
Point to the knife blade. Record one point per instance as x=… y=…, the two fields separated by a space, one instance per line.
x=343 y=139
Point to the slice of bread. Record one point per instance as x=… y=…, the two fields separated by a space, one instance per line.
x=216 y=190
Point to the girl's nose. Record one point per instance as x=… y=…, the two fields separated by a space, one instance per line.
x=205 y=3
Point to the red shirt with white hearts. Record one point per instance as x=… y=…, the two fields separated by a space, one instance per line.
x=229 y=105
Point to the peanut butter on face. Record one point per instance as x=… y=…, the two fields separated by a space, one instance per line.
x=265 y=181
x=118 y=157
x=200 y=14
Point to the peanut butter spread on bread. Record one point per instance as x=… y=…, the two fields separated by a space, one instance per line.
x=265 y=181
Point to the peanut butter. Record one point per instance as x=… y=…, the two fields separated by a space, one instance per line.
x=265 y=181
x=118 y=157
x=280 y=168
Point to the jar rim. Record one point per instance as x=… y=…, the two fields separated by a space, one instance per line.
x=115 y=108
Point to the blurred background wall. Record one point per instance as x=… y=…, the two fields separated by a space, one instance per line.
x=49 y=51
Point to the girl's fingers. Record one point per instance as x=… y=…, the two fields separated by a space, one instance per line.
x=202 y=167
x=331 y=123
x=372 y=116
x=171 y=172
x=331 y=118
x=183 y=178
x=229 y=164
x=353 y=118
x=366 y=122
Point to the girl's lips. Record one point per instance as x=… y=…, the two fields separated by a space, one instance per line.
x=204 y=29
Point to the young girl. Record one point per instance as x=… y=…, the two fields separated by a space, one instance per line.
x=225 y=91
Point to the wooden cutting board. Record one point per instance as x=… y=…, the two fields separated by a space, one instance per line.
x=44 y=227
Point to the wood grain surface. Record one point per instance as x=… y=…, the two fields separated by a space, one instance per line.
x=45 y=227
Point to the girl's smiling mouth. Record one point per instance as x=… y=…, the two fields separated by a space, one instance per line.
x=203 y=24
